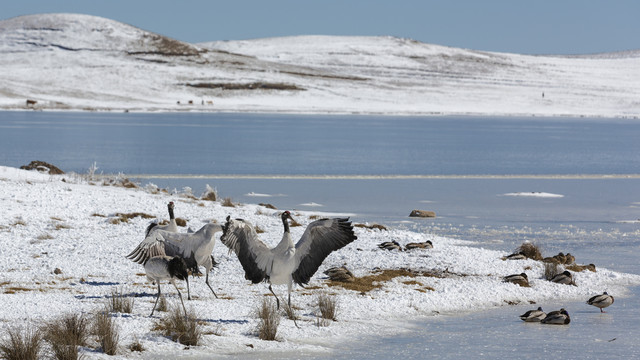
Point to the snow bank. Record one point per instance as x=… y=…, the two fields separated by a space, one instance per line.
x=64 y=223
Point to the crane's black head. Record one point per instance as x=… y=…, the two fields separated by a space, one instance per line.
x=171 y=205
x=178 y=268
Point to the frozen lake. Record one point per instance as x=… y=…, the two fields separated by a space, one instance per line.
x=576 y=190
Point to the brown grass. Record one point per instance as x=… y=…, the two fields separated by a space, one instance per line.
x=269 y=319
x=107 y=331
x=44 y=237
x=530 y=250
x=328 y=306
x=21 y=344
x=125 y=217
x=136 y=346
x=120 y=303
x=66 y=334
x=374 y=281
x=227 y=202
x=551 y=270
x=183 y=329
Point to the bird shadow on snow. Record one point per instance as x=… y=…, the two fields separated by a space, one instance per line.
x=131 y=294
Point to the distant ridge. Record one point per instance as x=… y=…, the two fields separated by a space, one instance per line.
x=83 y=62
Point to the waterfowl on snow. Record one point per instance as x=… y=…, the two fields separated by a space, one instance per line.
x=390 y=245
x=563 y=278
x=533 y=315
x=516 y=256
x=601 y=301
x=518 y=279
x=559 y=317
x=419 y=245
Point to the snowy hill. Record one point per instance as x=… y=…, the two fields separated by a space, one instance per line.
x=70 y=61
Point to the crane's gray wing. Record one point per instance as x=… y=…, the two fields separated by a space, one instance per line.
x=318 y=241
x=152 y=245
x=241 y=238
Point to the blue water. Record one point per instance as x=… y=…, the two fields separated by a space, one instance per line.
x=186 y=143
x=594 y=220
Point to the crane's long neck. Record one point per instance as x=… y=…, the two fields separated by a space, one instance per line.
x=171 y=216
x=286 y=225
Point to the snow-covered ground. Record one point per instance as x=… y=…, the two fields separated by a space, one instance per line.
x=81 y=62
x=64 y=222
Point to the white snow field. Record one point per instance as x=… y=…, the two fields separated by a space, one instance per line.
x=65 y=222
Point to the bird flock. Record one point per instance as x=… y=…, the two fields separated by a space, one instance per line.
x=167 y=254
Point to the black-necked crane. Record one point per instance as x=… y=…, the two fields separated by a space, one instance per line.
x=160 y=268
x=195 y=248
x=172 y=226
x=601 y=301
x=286 y=263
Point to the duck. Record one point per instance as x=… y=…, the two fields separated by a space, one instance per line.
x=419 y=245
x=570 y=259
x=559 y=317
x=390 y=245
x=516 y=256
x=562 y=258
x=563 y=278
x=518 y=279
x=533 y=315
x=340 y=273
x=601 y=301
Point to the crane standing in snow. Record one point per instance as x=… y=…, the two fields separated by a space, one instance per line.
x=160 y=268
x=195 y=248
x=286 y=263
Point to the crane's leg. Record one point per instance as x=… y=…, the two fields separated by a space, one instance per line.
x=290 y=308
x=274 y=294
x=157 y=298
x=180 y=295
x=206 y=281
x=188 y=291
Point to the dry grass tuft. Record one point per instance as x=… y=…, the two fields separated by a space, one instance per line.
x=163 y=305
x=19 y=222
x=183 y=329
x=531 y=251
x=269 y=319
x=136 y=346
x=125 y=217
x=44 y=237
x=107 y=331
x=290 y=312
x=210 y=194
x=66 y=334
x=22 y=344
x=227 y=202
x=328 y=306
x=370 y=282
x=551 y=270
x=120 y=303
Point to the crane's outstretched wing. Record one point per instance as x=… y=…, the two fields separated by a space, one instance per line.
x=152 y=245
x=318 y=241
x=256 y=258
x=162 y=242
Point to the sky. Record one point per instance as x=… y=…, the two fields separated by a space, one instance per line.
x=525 y=27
